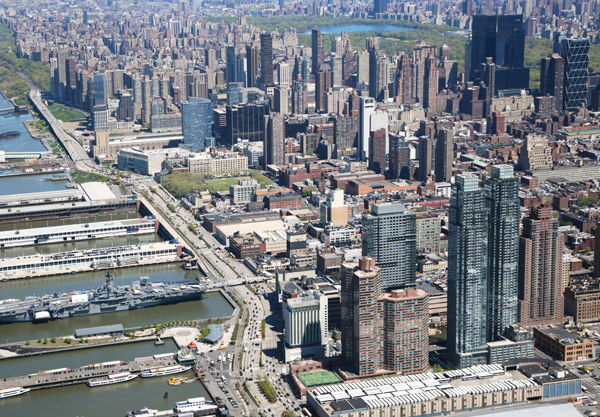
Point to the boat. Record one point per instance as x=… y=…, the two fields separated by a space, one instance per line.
x=166 y=370
x=12 y=392
x=193 y=404
x=159 y=342
x=112 y=379
x=105 y=299
x=176 y=381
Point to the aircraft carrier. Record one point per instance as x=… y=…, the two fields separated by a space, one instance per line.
x=107 y=298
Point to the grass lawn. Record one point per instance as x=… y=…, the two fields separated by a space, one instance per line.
x=179 y=183
x=81 y=176
x=313 y=379
x=64 y=113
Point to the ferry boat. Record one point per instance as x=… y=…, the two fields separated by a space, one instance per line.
x=11 y=392
x=112 y=379
x=166 y=370
x=193 y=404
x=176 y=381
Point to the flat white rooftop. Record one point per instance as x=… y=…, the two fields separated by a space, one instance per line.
x=97 y=191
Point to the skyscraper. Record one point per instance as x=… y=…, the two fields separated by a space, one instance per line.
x=380 y=6
x=379 y=73
x=274 y=152
x=231 y=70
x=576 y=53
x=501 y=37
x=366 y=108
x=467 y=273
x=196 y=121
x=299 y=96
x=444 y=148
x=502 y=193
x=382 y=330
x=246 y=122
x=390 y=236
x=377 y=154
x=361 y=344
x=266 y=59
x=323 y=82
x=317 y=50
x=426 y=148
x=404 y=80
x=540 y=269
x=252 y=58
x=552 y=76
x=430 y=84
x=399 y=158
x=100 y=90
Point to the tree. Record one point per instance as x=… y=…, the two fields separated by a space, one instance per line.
x=305 y=193
x=53 y=340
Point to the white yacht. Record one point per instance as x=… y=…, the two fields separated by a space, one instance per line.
x=166 y=370
x=111 y=379
x=193 y=404
x=11 y=392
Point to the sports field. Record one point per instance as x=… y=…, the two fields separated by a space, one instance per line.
x=313 y=379
x=65 y=114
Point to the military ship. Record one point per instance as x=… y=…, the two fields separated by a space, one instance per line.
x=107 y=298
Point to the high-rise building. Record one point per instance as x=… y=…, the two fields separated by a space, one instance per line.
x=535 y=153
x=552 y=76
x=299 y=96
x=501 y=37
x=430 y=84
x=366 y=108
x=389 y=236
x=426 y=157
x=467 y=273
x=281 y=102
x=196 y=121
x=345 y=132
x=266 y=59
x=318 y=52
x=382 y=331
x=502 y=193
x=377 y=153
x=361 y=329
x=576 y=53
x=146 y=100
x=404 y=80
x=323 y=82
x=334 y=210
x=444 y=148
x=275 y=140
x=596 y=254
x=399 y=158
x=540 y=269
x=380 y=6
x=231 y=70
x=252 y=58
x=125 y=112
x=234 y=94
x=379 y=74
x=405 y=330
x=246 y=122
x=100 y=90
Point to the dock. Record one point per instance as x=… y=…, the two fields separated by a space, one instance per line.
x=64 y=376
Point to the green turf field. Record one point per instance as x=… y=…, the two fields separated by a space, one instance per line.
x=65 y=114
x=313 y=379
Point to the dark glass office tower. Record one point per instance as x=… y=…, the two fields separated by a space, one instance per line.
x=467 y=273
x=380 y=6
x=552 y=78
x=503 y=39
x=266 y=59
x=576 y=53
x=246 y=122
x=317 y=51
x=196 y=121
x=502 y=193
x=232 y=65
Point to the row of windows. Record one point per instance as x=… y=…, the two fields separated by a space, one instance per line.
x=77 y=232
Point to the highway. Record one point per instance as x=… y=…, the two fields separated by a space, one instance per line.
x=73 y=148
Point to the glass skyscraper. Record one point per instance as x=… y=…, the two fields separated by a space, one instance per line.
x=502 y=193
x=196 y=120
x=467 y=273
x=390 y=236
x=100 y=90
x=576 y=53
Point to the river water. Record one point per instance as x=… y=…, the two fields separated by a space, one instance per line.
x=81 y=400
x=14 y=121
x=29 y=183
x=112 y=400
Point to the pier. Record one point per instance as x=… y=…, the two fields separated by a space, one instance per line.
x=65 y=376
